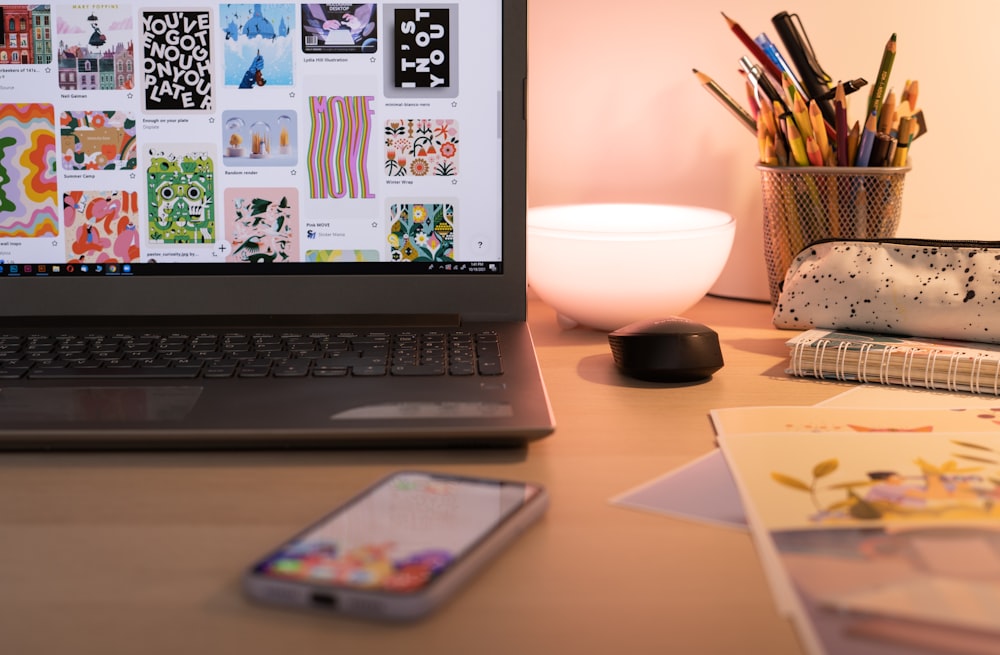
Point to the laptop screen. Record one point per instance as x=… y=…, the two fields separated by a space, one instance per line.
x=251 y=139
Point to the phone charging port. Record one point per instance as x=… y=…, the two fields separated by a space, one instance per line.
x=320 y=599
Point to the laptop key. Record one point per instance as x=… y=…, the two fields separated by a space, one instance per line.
x=254 y=370
x=219 y=371
x=293 y=368
x=133 y=373
x=12 y=373
x=368 y=371
x=417 y=369
x=490 y=366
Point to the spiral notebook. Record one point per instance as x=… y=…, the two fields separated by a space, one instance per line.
x=889 y=359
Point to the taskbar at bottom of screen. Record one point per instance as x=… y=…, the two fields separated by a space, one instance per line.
x=126 y=269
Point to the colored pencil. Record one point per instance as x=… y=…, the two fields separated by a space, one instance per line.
x=727 y=101
x=882 y=80
x=765 y=61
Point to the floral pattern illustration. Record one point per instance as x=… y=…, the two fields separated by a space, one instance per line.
x=422 y=232
x=421 y=147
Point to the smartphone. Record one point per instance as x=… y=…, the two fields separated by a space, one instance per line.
x=400 y=548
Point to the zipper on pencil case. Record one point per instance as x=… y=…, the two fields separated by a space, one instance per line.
x=902 y=241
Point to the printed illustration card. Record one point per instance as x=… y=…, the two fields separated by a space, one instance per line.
x=421 y=59
x=339 y=27
x=103 y=140
x=179 y=43
x=882 y=538
x=101 y=226
x=421 y=147
x=181 y=193
x=422 y=231
x=261 y=225
x=258 y=44
x=772 y=419
x=95 y=47
x=28 y=193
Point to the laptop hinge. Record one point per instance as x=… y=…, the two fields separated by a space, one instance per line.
x=234 y=321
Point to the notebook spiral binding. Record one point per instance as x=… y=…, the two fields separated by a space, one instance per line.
x=914 y=366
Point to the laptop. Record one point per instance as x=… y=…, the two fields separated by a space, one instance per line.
x=217 y=231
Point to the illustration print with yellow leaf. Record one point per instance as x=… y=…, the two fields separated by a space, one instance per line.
x=956 y=489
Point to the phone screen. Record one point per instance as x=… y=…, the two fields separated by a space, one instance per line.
x=400 y=535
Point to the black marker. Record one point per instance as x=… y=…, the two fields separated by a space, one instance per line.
x=812 y=75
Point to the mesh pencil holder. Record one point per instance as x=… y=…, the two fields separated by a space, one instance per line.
x=803 y=204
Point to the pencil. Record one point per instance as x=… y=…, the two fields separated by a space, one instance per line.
x=840 y=109
x=765 y=61
x=910 y=92
x=903 y=142
x=819 y=130
x=882 y=81
x=853 y=137
x=886 y=114
x=813 y=152
x=797 y=144
x=867 y=141
x=802 y=118
x=751 y=98
x=727 y=101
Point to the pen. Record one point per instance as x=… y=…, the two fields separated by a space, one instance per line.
x=882 y=81
x=798 y=47
x=850 y=86
x=880 y=150
x=761 y=81
x=726 y=100
x=754 y=49
x=775 y=55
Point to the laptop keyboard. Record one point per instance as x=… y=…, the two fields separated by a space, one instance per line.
x=172 y=355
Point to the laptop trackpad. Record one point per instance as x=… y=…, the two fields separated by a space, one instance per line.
x=104 y=404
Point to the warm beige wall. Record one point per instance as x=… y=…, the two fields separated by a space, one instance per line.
x=615 y=113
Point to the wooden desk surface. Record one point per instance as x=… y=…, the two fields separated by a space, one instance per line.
x=142 y=553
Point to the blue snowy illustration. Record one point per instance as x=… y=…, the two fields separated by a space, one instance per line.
x=258 y=44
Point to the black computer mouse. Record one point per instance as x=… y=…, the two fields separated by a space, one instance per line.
x=666 y=350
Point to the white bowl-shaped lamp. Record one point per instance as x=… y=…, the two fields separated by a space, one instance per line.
x=605 y=266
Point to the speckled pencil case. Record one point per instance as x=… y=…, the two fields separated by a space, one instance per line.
x=913 y=287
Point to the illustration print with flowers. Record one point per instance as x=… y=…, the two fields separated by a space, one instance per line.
x=97 y=140
x=422 y=232
x=421 y=147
